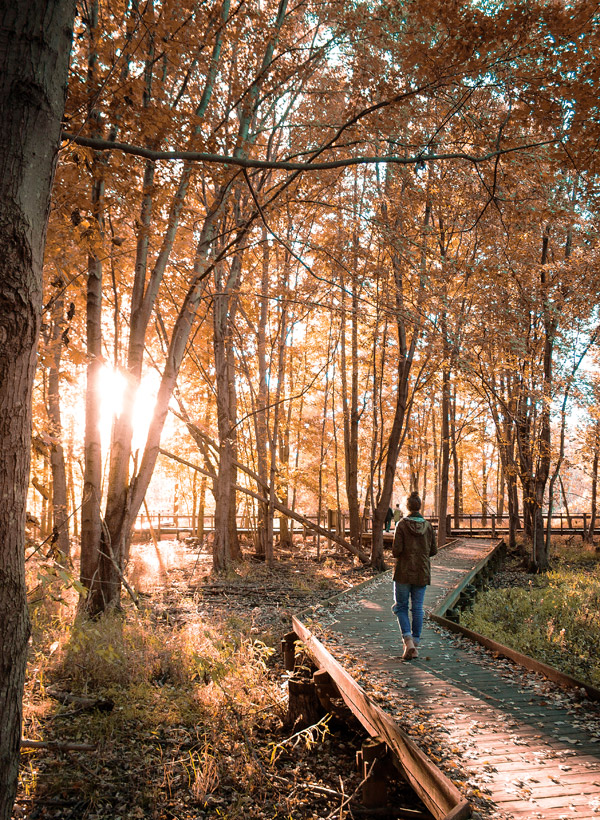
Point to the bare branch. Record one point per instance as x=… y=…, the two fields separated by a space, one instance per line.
x=286 y=165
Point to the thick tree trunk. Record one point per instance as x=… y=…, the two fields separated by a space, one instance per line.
x=223 y=484
x=223 y=315
x=33 y=71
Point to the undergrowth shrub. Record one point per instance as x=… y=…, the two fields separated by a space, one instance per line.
x=556 y=619
x=114 y=651
x=191 y=704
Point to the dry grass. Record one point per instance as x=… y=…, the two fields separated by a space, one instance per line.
x=199 y=698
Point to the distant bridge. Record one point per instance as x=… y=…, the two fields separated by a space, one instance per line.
x=471 y=524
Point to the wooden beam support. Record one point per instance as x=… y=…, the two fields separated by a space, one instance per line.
x=374 y=772
x=436 y=791
x=304 y=708
x=288 y=650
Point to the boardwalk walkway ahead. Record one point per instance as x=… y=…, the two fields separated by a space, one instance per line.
x=521 y=746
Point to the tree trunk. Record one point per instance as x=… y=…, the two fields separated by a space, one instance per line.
x=566 y=503
x=60 y=517
x=456 y=472
x=514 y=519
x=594 y=500
x=234 y=539
x=351 y=414
x=436 y=463
x=105 y=549
x=91 y=514
x=405 y=360
x=33 y=72
x=484 y=480
x=444 y=457
x=275 y=432
x=91 y=520
x=500 y=487
x=223 y=484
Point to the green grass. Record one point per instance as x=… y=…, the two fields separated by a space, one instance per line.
x=556 y=619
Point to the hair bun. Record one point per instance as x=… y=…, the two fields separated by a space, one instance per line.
x=414 y=494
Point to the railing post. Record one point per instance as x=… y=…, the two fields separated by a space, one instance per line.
x=330 y=519
x=493 y=525
x=158 y=529
x=448 y=524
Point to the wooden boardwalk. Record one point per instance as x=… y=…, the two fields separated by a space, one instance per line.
x=523 y=748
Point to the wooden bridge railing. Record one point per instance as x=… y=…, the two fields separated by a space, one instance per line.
x=493 y=523
x=336 y=521
x=168 y=523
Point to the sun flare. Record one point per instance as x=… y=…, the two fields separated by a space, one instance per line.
x=113 y=384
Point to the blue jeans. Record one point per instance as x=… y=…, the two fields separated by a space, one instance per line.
x=402 y=594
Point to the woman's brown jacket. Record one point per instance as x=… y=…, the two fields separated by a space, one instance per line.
x=414 y=544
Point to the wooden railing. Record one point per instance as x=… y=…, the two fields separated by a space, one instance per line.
x=491 y=524
x=164 y=523
x=471 y=523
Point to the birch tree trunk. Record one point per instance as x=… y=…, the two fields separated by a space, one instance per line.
x=33 y=73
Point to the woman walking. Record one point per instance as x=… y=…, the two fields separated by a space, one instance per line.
x=414 y=544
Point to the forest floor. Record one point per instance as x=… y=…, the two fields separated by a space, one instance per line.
x=178 y=709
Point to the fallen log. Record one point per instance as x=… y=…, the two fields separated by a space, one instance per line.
x=58 y=745
x=82 y=702
x=331 y=536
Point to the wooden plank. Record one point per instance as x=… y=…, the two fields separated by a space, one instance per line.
x=523 y=660
x=454 y=594
x=543 y=766
x=437 y=792
x=510 y=802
